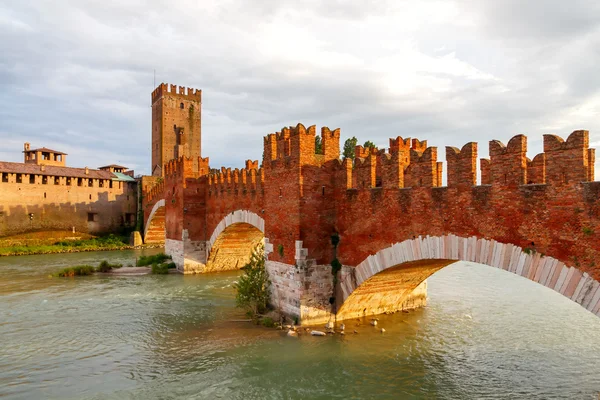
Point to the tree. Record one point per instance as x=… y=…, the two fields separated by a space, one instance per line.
x=318 y=145
x=369 y=145
x=253 y=285
x=349 y=147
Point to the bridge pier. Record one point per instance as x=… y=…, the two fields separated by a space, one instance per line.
x=188 y=255
x=302 y=291
x=305 y=292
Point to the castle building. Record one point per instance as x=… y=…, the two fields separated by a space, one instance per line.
x=42 y=193
x=176 y=129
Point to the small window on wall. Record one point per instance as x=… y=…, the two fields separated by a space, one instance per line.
x=181 y=106
x=31 y=178
x=79 y=181
x=92 y=217
x=44 y=180
x=101 y=182
x=19 y=178
x=4 y=177
x=90 y=182
x=68 y=181
x=56 y=180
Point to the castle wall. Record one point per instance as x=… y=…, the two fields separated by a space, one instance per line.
x=386 y=197
x=57 y=205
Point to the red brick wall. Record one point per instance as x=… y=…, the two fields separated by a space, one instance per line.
x=309 y=197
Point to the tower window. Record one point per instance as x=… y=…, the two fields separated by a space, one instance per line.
x=181 y=106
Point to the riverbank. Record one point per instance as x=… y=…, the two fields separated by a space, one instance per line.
x=37 y=250
x=64 y=242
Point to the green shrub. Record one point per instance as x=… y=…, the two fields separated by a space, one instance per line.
x=155 y=259
x=171 y=265
x=160 y=269
x=253 y=285
x=105 y=266
x=79 y=270
x=268 y=322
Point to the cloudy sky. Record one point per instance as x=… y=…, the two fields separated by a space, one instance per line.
x=77 y=75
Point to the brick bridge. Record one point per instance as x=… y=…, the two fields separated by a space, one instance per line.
x=395 y=222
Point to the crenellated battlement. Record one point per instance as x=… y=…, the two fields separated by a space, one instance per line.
x=400 y=145
x=424 y=168
x=245 y=179
x=303 y=196
x=462 y=165
x=297 y=144
x=570 y=160
x=562 y=161
x=154 y=193
x=419 y=146
x=165 y=89
x=183 y=168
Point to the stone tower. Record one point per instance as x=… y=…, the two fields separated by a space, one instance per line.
x=176 y=130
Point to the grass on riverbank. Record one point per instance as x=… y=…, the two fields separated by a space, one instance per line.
x=160 y=268
x=109 y=242
x=150 y=260
x=105 y=266
x=79 y=270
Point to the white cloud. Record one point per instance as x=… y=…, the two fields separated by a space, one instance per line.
x=80 y=74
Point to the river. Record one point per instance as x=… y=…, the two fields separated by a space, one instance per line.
x=485 y=334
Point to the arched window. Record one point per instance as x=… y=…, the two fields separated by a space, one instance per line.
x=181 y=106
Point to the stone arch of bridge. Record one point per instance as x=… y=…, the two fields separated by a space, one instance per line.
x=154 y=227
x=233 y=240
x=389 y=280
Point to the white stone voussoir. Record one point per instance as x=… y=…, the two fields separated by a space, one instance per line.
x=545 y=270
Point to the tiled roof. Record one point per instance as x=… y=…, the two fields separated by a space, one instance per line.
x=22 y=168
x=113 y=166
x=44 y=149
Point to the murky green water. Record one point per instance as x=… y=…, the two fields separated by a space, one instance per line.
x=485 y=334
